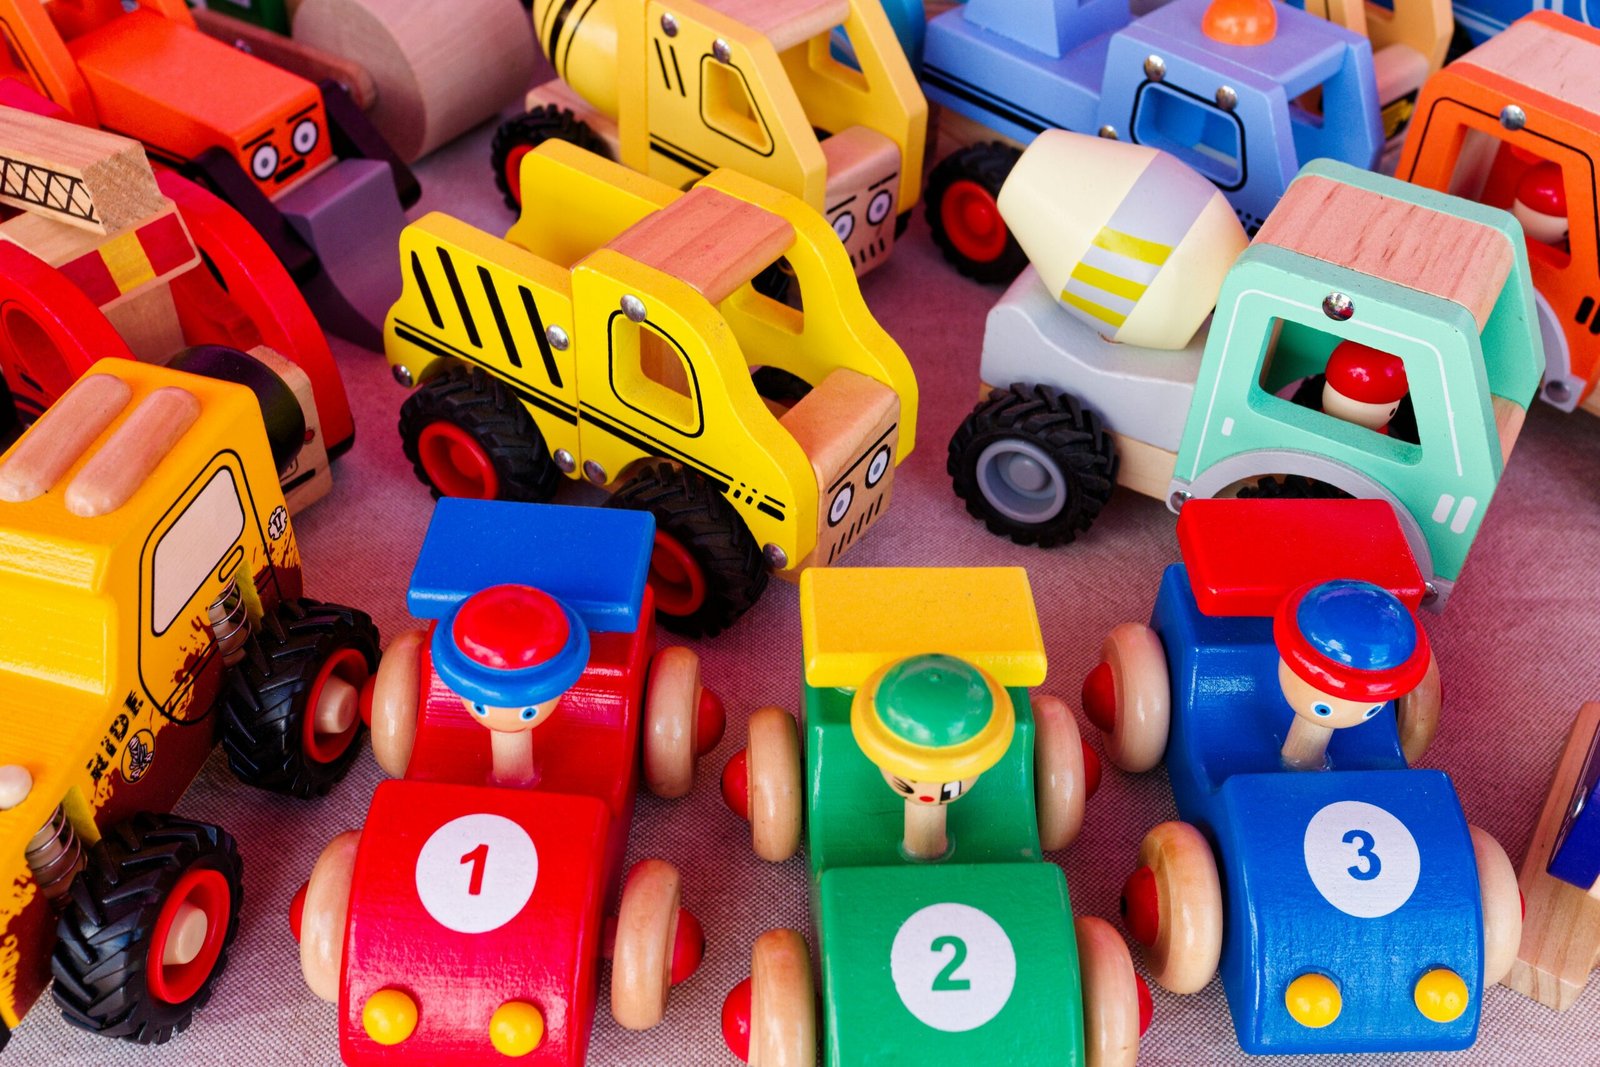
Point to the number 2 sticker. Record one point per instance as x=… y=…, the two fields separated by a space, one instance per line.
x=1361 y=858
x=476 y=872
x=953 y=967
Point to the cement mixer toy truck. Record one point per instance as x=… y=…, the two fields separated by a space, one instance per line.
x=1376 y=340
x=756 y=87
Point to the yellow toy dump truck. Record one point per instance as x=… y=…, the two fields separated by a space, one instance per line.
x=815 y=97
x=614 y=336
x=150 y=604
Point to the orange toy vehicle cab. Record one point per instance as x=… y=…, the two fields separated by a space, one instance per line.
x=1515 y=123
x=300 y=162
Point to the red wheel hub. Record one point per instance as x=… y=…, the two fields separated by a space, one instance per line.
x=711 y=722
x=688 y=946
x=1147 y=1007
x=514 y=170
x=207 y=890
x=736 y=1020
x=349 y=666
x=972 y=221
x=1141 y=906
x=456 y=463
x=676 y=578
x=297 y=909
x=736 y=784
x=1100 y=698
x=1091 y=770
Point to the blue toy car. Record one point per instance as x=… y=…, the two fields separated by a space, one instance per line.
x=1348 y=908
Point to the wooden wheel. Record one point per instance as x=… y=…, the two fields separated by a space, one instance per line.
x=647 y=929
x=783 y=1021
x=1173 y=907
x=1060 y=774
x=396 y=695
x=1417 y=713
x=671 y=707
x=322 y=919
x=776 y=789
x=1502 y=906
x=1128 y=697
x=1110 y=995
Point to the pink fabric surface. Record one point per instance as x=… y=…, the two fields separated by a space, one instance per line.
x=1518 y=651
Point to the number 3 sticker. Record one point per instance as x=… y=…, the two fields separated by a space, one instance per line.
x=1361 y=858
x=953 y=967
x=476 y=872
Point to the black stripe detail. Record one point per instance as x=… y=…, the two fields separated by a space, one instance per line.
x=552 y=405
x=661 y=59
x=964 y=90
x=651 y=446
x=536 y=320
x=555 y=29
x=1585 y=307
x=426 y=290
x=673 y=153
x=768 y=509
x=512 y=355
x=461 y=297
x=566 y=56
x=683 y=90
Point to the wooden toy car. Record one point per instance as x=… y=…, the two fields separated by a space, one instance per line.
x=1176 y=409
x=943 y=937
x=150 y=604
x=1224 y=87
x=1561 y=925
x=466 y=918
x=1514 y=124
x=612 y=337
x=1349 y=908
x=745 y=84
x=299 y=161
x=108 y=258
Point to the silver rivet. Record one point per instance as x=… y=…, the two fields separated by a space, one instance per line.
x=557 y=338
x=634 y=308
x=1155 y=68
x=1556 y=391
x=720 y=49
x=1513 y=117
x=1177 y=500
x=401 y=374
x=669 y=25
x=594 y=472
x=1338 y=307
x=1227 y=99
x=1109 y=132
x=1430 y=592
x=776 y=556
x=565 y=461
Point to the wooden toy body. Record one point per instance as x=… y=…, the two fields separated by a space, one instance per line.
x=111 y=669
x=1543 y=67
x=678 y=383
x=1018 y=69
x=676 y=111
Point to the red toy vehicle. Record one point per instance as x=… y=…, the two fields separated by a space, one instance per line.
x=467 y=918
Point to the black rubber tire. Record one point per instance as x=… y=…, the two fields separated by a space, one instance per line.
x=776 y=282
x=690 y=510
x=1071 y=435
x=532 y=129
x=1291 y=487
x=486 y=408
x=105 y=931
x=264 y=697
x=779 y=386
x=988 y=165
x=280 y=410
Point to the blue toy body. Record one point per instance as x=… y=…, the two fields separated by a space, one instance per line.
x=1482 y=19
x=1576 y=856
x=1022 y=68
x=1364 y=872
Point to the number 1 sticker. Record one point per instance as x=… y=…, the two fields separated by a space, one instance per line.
x=953 y=967
x=476 y=872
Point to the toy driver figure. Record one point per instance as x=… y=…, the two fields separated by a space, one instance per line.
x=1364 y=385
x=510 y=652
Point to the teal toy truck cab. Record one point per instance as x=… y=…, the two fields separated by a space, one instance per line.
x=970 y=954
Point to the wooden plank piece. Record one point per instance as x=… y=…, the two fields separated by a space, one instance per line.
x=131 y=454
x=87 y=178
x=709 y=240
x=785 y=23
x=1547 y=59
x=61 y=436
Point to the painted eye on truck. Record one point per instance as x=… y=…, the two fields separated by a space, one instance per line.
x=304 y=137
x=841 y=504
x=879 y=464
x=878 y=210
x=264 y=162
x=844 y=225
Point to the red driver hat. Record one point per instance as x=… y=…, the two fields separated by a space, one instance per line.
x=1365 y=374
x=1351 y=639
x=1540 y=190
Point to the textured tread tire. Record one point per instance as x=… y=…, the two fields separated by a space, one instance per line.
x=1072 y=436
x=987 y=165
x=487 y=409
x=1291 y=487
x=532 y=129
x=105 y=931
x=264 y=701
x=692 y=512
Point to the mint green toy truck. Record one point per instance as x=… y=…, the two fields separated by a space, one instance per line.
x=944 y=936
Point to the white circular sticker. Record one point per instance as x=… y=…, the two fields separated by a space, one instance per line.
x=476 y=872
x=953 y=967
x=1361 y=858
